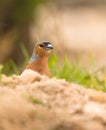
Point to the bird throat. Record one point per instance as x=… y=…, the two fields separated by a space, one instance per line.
x=33 y=58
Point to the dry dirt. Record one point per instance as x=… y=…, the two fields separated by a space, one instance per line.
x=34 y=102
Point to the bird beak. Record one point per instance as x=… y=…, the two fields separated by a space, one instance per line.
x=49 y=46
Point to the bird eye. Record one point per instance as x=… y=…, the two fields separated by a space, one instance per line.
x=41 y=45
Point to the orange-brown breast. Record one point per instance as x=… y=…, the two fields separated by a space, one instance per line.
x=40 y=65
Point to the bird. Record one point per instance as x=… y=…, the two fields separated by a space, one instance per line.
x=39 y=58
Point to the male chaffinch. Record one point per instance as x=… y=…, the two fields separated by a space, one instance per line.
x=39 y=59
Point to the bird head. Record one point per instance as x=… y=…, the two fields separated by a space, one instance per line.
x=43 y=49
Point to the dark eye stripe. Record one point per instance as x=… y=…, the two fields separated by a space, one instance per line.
x=41 y=45
x=44 y=44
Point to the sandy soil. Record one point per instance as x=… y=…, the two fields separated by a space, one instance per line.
x=31 y=102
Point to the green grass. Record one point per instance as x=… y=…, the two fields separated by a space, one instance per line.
x=1 y=69
x=34 y=100
x=78 y=74
x=65 y=70
x=10 y=66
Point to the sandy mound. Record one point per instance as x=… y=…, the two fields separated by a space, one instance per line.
x=32 y=102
